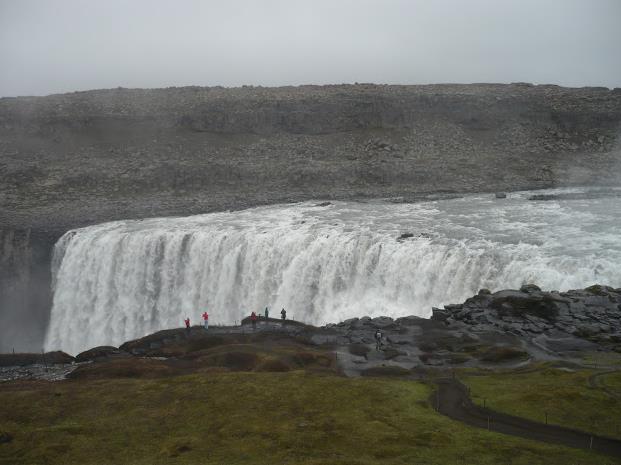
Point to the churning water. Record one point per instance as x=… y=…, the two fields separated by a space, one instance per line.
x=124 y=279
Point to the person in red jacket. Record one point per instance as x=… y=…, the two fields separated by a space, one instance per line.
x=253 y=318
x=206 y=320
x=187 y=325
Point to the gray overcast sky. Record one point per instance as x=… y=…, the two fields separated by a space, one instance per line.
x=50 y=46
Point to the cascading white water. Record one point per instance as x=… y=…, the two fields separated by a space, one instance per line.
x=122 y=280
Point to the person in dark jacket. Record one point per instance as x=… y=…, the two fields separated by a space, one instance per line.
x=378 y=340
x=253 y=318
x=187 y=326
x=283 y=315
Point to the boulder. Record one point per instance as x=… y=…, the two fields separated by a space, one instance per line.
x=383 y=322
x=409 y=320
x=439 y=314
x=518 y=303
x=530 y=288
x=348 y=322
x=96 y=353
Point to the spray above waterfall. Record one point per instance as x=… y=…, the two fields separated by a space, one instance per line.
x=122 y=280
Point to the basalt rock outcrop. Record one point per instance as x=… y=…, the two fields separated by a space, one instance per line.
x=590 y=316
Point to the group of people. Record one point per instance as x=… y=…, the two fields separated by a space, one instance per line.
x=283 y=316
x=205 y=322
x=253 y=319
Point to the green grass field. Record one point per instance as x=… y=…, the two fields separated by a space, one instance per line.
x=250 y=418
x=568 y=398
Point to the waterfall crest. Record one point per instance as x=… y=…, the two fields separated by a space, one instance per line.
x=121 y=280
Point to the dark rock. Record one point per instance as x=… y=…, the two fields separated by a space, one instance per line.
x=484 y=292
x=501 y=354
x=96 y=353
x=383 y=322
x=358 y=349
x=519 y=303
x=391 y=352
x=399 y=339
x=600 y=290
x=405 y=236
x=439 y=314
x=349 y=322
x=427 y=346
x=501 y=195
x=587 y=330
x=50 y=358
x=409 y=320
x=430 y=359
x=5 y=437
x=391 y=370
x=323 y=204
x=57 y=357
x=530 y=288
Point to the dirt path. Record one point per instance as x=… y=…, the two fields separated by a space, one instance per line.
x=452 y=399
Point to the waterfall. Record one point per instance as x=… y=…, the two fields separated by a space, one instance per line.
x=121 y=280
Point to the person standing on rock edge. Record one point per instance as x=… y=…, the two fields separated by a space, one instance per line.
x=206 y=320
x=187 y=325
x=267 y=314
x=378 y=340
x=283 y=315
x=253 y=318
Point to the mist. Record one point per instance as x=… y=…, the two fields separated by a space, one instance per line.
x=67 y=45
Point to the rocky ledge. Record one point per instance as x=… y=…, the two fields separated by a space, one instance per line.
x=592 y=314
x=508 y=328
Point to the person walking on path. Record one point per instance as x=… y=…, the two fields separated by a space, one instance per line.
x=283 y=315
x=267 y=314
x=206 y=320
x=187 y=325
x=378 y=340
x=253 y=318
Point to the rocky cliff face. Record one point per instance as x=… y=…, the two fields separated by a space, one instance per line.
x=24 y=289
x=76 y=159
x=592 y=314
x=87 y=157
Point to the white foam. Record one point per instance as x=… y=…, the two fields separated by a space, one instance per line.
x=125 y=279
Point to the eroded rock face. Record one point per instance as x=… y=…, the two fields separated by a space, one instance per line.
x=593 y=313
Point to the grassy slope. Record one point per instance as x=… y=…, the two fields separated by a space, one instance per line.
x=567 y=397
x=239 y=418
